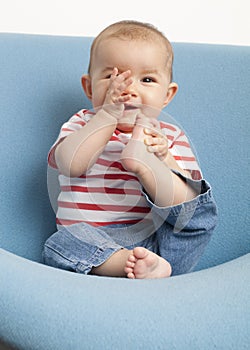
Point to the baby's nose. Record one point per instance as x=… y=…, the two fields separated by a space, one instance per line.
x=130 y=90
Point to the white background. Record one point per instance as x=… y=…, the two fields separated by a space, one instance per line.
x=203 y=21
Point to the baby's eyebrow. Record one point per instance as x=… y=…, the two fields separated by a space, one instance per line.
x=150 y=71
x=107 y=69
x=121 y=69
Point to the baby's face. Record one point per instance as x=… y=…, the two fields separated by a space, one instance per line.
x=147 y=62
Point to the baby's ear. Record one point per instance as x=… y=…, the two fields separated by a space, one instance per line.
x=86 y=84
x=172 y=90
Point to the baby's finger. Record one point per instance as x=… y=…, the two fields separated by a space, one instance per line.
x=152 y=132
x=160 y=151
x=114 y=74
x=118 y=83
x=119 y=86
x=123 y=78
x=155 y=141
x=149 y=141
x=156 y=149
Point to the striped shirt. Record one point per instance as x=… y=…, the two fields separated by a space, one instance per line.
x=107 y=193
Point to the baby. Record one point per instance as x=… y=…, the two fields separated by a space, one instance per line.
x=128 y=181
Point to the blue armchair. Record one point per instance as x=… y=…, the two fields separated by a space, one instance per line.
x=45 y=308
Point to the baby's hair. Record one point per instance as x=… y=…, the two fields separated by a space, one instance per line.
x=134 y=30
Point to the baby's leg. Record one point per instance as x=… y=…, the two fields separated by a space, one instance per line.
x=85 y=249
x=115 y=265
x=143 y=263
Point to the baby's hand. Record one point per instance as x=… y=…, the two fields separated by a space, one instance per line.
x=155 y=141
x=115 y=99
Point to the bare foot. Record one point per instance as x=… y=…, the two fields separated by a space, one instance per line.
x=135 y=156
x=143 y=263
x=114 y=265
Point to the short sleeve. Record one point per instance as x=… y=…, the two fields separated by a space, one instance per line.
x=76 y=122
x=180 y=148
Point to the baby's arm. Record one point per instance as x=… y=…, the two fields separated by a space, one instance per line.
x=75 y=154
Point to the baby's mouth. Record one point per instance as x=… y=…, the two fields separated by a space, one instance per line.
x=129 y=107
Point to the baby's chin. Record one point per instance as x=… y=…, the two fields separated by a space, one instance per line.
x=127 y=122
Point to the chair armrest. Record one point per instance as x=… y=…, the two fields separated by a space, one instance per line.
x=45 y=308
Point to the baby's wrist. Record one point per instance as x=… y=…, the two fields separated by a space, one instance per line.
x=107 y=115
x=114 y=111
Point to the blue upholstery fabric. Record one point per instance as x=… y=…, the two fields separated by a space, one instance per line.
x=45 y=308
x=55 y=309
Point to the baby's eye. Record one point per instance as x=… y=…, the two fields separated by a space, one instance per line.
x=108 y=76
x=148 y=80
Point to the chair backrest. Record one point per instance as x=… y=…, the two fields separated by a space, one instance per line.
x=40 y=89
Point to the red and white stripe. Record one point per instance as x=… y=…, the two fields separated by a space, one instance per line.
x=109 y=194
